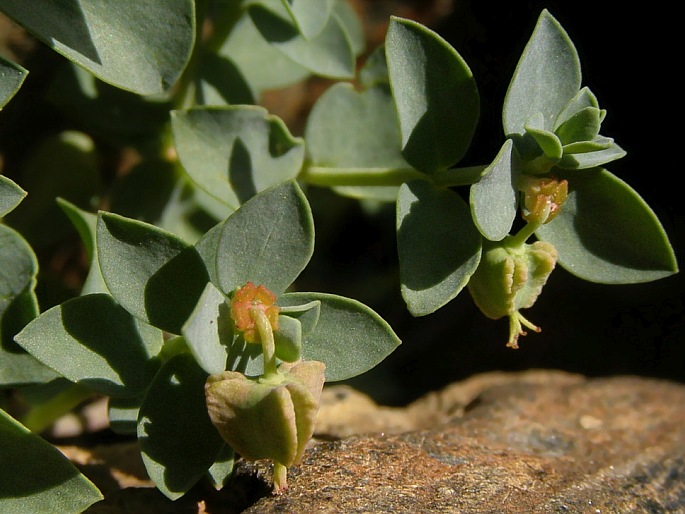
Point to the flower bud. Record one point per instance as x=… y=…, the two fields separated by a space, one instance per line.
x=270 y=417
x=510 y=278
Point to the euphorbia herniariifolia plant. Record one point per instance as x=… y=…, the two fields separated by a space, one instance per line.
x=203 y=348
x=550 y=168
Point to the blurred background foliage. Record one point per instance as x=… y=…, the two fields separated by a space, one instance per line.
x=50 y=146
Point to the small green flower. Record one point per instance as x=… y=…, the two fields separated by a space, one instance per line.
x=269 y=417
x=509 y=278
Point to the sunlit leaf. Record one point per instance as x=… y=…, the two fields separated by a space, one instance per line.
x=493 y=199
x=438 y=245
x=606 y=233
x=142 y=48
x=547 y=77
x=206 y=142
x=92 y=341
x=349 y=337
x=268 y=241
x=152 y=273
x=40 y=479
x=435 y=93
x=177 y=440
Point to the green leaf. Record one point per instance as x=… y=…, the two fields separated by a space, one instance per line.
x=493 y=199
x=38 y=478
x=205 y=140
x=93 y=341
x=152 y=273
x=584 y=98
x=547 y=77
x=288 y=339
x=435 y=93
x=219 y=81
x=221 y=471
x=549 y=142
x=64 y=165
x=438 y=245
x=328 y=54
x=352 y=24
x=263 y=66
x=123 y=414
x=310 y=16
x=208 y=331
x=349 y=337
x=18 y=306
x=177 y=440
x=582 y=126
x=268 y=241
x=307 y=314
x=86 y=224
x=142 y=48
x=606 y=233
x=356 y=130
x=11 y=195
x=592 y=159
x=12 y=76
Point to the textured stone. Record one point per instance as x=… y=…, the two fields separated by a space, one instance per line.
x=533 y=442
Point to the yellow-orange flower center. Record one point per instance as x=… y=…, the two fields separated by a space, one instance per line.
x=247 y=298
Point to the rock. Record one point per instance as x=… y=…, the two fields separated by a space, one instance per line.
x=538 y=441
x=525 y=444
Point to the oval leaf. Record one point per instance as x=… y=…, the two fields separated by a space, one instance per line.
x=208 y=331
x=40 y=479
x=206 y=143
x=328 y=54
x=152 y=273
x=12 y=76
x=142 y=48
x=18 y=306
x=93 y=341
x=493 y=198
x=177 y=440
x=547 y=77
x=349 y=337
x=438 y=245
x=310 y=16
x=435 y=93
x=268 y=241
x=606 y=233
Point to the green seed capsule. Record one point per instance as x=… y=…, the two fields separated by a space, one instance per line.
x=510 y=278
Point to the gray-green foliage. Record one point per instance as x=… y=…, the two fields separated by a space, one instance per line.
x=216 y=200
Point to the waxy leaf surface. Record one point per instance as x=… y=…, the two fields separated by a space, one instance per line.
x=152 y=273
x=93 y=341
x=177 y=440
x=349 y=337
x=37 y=477
x=235 y=152
x=435 y=93
x=438 y=245
x=606 y=233
x=143 y=47
x=547 y=77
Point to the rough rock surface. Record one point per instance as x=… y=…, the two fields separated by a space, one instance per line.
x=516 y=443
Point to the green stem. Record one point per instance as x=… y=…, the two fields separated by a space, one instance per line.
x=280 y=477
x=330 y=177
x=266 y=336
x=40 y=417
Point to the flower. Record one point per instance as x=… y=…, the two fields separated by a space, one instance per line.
x=248 y=297
x=510 y=277
x=268 y=417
